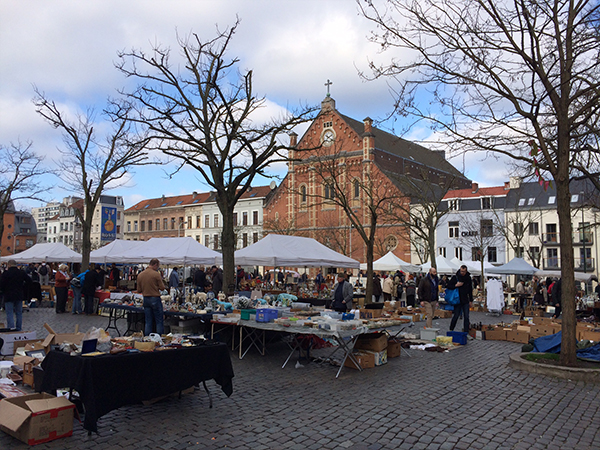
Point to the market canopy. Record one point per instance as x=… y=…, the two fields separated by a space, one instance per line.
x=118 y=251
x=579 y=276
x=390 y=262
x=442 y=265
x=291 y=251
x=50 y=252
x=516 y=266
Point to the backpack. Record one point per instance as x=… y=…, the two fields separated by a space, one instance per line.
x=43 y=270
x=76 y=282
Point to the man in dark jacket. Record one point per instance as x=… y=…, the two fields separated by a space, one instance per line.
x=556 y=298
x=14 y=282
x=217 y=280
x=462 y=282
x=342 y=294
x=200 y=279
x=428 y=294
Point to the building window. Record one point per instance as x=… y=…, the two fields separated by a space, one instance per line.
x=458 y=253
x=198 y=222
x=71 y=226
x=172 y=223
x=552 y=259
x=534 y=252
x=475 y=254
x=245 y=240
x=521 y=202
x=551 y=235
x=254 y=238
x=492 y=254
x=216 y=241
x=61 y=227
x=518 y=229
x=143 y=225
x=165 y=224
x=118 y=229
x=189 y=223
x=135 y=226
x=356 y=189
x=118 y=215
x=149 y=225
x=453 y=205
x=206 y=240
x=303 y=194
x=216 y=220
x=198 y=238
x=534 y=229
x=235 y=222
x=487 y=228
x=329 y=191
x=452 y=229
x=157 y=224
x=530 y=202
x=551 y=200
x=520 y=252
x=244 y=218
x=254 y=217
x=486 y=203
x=442 y=251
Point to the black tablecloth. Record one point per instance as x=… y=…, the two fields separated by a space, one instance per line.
x=108 y=382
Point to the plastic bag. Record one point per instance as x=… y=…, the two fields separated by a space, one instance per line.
x=452 y=297
x=103 y=337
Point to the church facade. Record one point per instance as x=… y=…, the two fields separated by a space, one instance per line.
x=342 y=167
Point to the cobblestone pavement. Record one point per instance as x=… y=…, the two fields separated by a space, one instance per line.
x=467 y=398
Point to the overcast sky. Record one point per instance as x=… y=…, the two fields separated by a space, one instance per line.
x=68 y=50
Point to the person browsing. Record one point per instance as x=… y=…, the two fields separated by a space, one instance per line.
x=149 y=284
x=342 y=294
x=428 y=294
x=462 y=281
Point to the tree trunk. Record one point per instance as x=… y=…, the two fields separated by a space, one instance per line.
x=86 y=242
x=228 y=244
x=568 y=349
x=432 y=247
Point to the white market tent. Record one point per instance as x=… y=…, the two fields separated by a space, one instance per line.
x=390 y=262
x=516 y=266
x=118 y=251
x=579 y=276
x=277 y=250
x=51 y=252
x=442 y=265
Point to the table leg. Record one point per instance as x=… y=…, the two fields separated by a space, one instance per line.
x=209 y=396
x=112 y=320
x=347 y=349
x=293 y=346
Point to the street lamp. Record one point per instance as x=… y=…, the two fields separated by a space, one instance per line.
x=583 y=236
x=181 y=224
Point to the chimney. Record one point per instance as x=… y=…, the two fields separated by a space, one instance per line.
x=368 y=125
x=506 y=185
x=194 y=195
x=515 y=182
x=163 y=197
x=293 y=139
x=474 y=187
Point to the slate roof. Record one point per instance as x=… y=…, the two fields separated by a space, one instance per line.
x=542 y=199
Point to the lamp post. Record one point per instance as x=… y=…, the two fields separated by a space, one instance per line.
x=583 y=235
x=181 y=224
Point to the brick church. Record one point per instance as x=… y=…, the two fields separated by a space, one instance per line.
x=361 y=165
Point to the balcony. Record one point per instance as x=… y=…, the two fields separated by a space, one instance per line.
x=551 y=263
x=550 y=238
x=589 y=264
x=583 y=238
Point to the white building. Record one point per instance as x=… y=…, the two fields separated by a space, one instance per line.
x=473 y=228
x=41 y=215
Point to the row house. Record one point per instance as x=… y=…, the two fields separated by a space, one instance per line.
x=532 y=221
x=42 y=215
x=107 y=222
x=197 y=215
x=20 y=231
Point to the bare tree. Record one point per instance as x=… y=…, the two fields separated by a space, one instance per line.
x=519 y=79
x=20 y=169
x=520 y=229
x=90 y=165
x=205 y=115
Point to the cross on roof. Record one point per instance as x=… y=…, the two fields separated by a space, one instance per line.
x=329 y=83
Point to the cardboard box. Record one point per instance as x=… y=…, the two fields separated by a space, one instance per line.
x=526 y=329
x=517 y=336
x=28 y=345
x=37 y=418
x=28 y=363
x=144 y=346
x=394 y=349
x=590 y=335
x=370 y=313
x=54 y=338
x=11 y=337
x=379 y=358
x=443 y=314
x=542 y=320
x=374 y=342
x=497 y=334
x=366 y=360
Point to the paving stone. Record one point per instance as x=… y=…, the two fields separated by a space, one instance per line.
x=492 y=407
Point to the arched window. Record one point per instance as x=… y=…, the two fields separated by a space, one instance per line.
x=303 y=194
x=356 y=186
x=329 y=191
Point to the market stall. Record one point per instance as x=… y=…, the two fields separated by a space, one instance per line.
x=443 y=266
x=118 y=251
x=51 y=252
x=390 y=262
x=516 y=266
x=107 y=382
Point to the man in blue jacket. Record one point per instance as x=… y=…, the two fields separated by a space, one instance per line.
x=462 y=282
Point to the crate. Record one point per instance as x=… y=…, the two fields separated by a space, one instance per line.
x=245 y=313
x=266 y=315
x=458 y=337
x=429 y=334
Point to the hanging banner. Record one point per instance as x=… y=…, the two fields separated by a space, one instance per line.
x=109 y=224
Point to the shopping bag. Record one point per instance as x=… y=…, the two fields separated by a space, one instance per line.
x=452 y=297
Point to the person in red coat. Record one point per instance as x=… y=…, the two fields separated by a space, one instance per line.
x=61 y=286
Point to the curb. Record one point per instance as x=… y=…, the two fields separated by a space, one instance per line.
x=567 y=373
